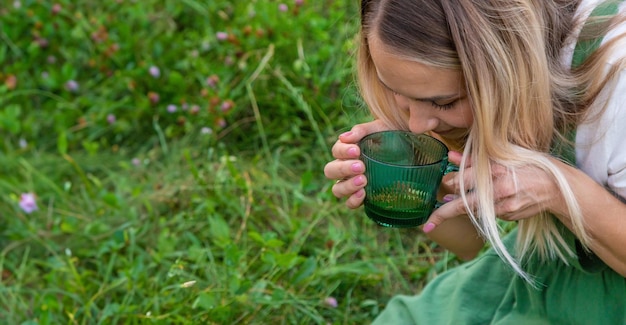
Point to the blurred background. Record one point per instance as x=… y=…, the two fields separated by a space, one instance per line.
x=161 y=162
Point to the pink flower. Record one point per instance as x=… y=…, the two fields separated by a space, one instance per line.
x=153 y=97
x=154 y=71
x=283 y=7
x=28 y=203
x=111 y=118
x=299 y=2
x=212 y=81
x=227 y=105
x=72 y=86
x=171 y=108
x=136 y=162
x=331 y=302
x=56 y=8
x=222 y=36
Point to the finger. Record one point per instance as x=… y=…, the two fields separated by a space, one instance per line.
x=342 y=169
x=350 y=186
x=361 y=130
x=356 y=199
x=451 y=182
x=455 y=157
x=447 y=211
x=343 y=150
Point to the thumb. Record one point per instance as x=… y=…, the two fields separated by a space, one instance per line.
x=455 y=157
x=447 y=211
x=361 y=130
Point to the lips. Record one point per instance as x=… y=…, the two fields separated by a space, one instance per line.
x=455 y=135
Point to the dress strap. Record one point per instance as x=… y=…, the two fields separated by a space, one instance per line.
x=584 y=47
x=585 y=260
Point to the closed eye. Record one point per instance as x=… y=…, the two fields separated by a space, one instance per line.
x=434 y=101
x=443 y=106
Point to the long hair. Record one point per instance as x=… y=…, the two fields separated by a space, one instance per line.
x=521 y=94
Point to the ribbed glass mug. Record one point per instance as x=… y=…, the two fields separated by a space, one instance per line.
x=404 y=171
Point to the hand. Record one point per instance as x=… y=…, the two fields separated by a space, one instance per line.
x=347 y=169
x=518 y=194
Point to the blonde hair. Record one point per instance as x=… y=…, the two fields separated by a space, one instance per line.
x=521 y=95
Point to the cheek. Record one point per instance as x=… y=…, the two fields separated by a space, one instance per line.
x=462 y=117
x=466 y=114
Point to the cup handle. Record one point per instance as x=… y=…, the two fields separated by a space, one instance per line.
x=449 y=169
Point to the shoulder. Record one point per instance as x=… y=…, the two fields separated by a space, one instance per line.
x=600 y=145
x=614 y=35
x=618 y=34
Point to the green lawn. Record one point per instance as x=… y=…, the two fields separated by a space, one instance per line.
x=175 y=151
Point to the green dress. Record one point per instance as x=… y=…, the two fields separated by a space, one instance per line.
x=487 y=291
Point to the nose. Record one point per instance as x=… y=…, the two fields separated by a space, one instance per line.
x=422 y=118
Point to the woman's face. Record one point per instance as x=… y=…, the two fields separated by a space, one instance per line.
x=435 y=98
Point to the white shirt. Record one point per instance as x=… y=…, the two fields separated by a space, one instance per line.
x=601 y=141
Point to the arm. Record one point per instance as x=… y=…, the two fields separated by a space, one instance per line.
x=459 y=235
x=605 y=218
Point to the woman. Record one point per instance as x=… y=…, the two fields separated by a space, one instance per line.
x=496 y=80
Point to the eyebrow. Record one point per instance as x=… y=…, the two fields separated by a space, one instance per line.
x=425 y=99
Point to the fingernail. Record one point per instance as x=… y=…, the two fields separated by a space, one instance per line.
x=345 y=134
x=357 y=167
x=428 y=227
x=352 y=152
x=449 y=197
x=360 y=193
x=453 y=154
x=359 y=180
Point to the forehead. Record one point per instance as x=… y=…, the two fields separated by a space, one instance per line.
x=409 y=76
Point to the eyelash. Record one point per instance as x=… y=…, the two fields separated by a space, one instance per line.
x=435 y=105
x=443 y=107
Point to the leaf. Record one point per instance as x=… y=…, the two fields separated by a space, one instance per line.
x=219 y=230
x=206 y=301
x=62 y=143
x=305 y=270
x=10 y=119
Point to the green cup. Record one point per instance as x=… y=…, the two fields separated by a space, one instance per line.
x=404 y=171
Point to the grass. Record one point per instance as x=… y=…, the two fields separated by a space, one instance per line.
x=155 y=220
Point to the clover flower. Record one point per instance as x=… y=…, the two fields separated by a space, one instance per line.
x=111 y=118
x=171 y=108
x=153 y=97
x=222 y=36
x=72 y=86
x=28 y=203
x=154 y=71
x=227 y=105
x=283 y=7
x=212 y=81
x=331 y=302
x=56 y=8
